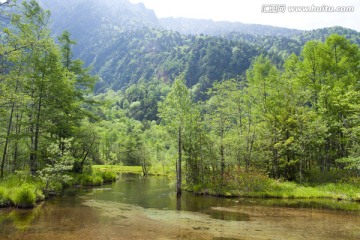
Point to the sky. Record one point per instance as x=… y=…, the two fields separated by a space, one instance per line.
x=261 y=12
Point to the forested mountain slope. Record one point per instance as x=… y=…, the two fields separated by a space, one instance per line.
x=216 y=28
x=237 y=108
x=126 y=43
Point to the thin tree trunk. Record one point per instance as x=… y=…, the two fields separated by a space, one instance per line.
x=36 y=135
x=16 y=145
x=178 y=165
x=7 y=140
x=222 y=155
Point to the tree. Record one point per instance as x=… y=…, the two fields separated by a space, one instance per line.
x=221 y=115
x=176 y=111
x=43 y=84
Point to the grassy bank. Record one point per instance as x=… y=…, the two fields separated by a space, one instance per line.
x=254 y=184
x=260 y=186
x=153 y=170
x=118 y=168
x=20 y=191
x=24 y=191
x=291 y=190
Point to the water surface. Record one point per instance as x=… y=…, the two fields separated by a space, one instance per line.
x=138 y=208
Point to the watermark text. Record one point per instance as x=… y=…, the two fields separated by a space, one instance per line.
x=282 y=8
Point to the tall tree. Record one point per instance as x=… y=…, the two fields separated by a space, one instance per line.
x=175 y=111
x=221 y=115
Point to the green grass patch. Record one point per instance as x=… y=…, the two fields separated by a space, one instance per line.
x=24 y=191
x=252 y=184
x=108 y=176
x=4 y=197
x=20 y=190
x=153 y=170
x=117 y=168
x=290 y=190
x=96 y=178
x=24 y=196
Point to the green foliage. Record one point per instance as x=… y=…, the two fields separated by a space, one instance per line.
x=90 y=180
x=250 y=181
x=44 y=89
x=285 y=116
x=4 y=197
x=320 y=177
x=60 y=164
x=117 y=168
x=21 y=190
x=24 y=196
x=108 y=176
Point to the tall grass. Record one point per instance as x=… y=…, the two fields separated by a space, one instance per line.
x=255 y=184
x=24 y=191
x=20 y=190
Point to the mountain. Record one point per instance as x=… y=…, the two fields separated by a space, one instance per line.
x=214 y=28
x=126 y=43
x=90 y=21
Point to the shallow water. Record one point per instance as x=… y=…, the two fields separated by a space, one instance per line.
x=137 y=208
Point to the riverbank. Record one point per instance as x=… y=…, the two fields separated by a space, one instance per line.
x=157 y=170
x=270 y=188
x=255 y=185
x=21 y=190
x=289 y=190
x=24 y=191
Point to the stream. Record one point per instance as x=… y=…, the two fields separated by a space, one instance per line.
x=147 y=208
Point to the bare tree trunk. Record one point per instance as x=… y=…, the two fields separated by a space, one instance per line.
x=35 y=135
x=222 y=160
x=9 y=127
x=7 y=140
x=178 y=165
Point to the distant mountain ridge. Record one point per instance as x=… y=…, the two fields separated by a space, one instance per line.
x=126 y=43
x=122 y=13
x=90 y=21
x=216 y=28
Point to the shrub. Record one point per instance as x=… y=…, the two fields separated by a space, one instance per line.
x=108 y=176
x=318 y=176
x=91 y=180
x=4 y=197
x=97 y=180
x=85 y=180
x=251 y=181
x=24 y=196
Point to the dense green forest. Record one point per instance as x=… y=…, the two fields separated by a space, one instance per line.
x=225 y=112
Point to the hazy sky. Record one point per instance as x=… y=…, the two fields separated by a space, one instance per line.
x=250 y=11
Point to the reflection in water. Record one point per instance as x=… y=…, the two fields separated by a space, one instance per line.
x=228 y=215
x=138 y=208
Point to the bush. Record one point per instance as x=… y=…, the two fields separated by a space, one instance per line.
x=85 y=180
x=91 y=180
x=250 y=181
x=319 y=177
x=24 y=196
x=108 y=176
x=97 y=180
x=4 y=197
